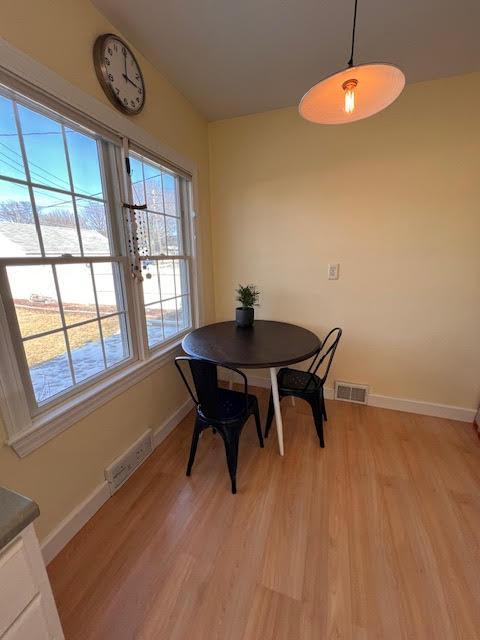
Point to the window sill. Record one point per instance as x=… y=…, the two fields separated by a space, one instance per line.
x=58 y=419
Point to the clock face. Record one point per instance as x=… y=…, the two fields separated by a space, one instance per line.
x=119 y=74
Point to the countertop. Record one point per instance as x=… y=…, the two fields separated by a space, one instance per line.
x=16 y=513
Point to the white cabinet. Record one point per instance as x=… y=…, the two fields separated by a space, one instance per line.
x=30 y=625
x=27 y=607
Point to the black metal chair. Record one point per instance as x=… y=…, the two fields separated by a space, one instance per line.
x=224 y=410
x=307 y=384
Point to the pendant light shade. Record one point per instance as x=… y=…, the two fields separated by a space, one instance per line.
x=352 y=94
x=355 y=93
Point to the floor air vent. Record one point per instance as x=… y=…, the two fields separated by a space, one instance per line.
x=123 y=467
x=351 y=392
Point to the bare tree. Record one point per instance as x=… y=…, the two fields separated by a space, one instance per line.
x=16 y=211
x=91 y=214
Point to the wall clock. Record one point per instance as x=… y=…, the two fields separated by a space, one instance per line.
x=119 y=73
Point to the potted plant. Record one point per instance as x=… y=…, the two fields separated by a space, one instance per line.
x=248 y=298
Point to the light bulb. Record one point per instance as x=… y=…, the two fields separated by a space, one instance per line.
x=349 y=87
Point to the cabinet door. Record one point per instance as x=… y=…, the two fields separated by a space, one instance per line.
x=17 y=586
x=31 y=625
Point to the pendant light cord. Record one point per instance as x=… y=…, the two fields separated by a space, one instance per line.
x=350 y=62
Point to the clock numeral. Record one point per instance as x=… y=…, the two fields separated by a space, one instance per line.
x=107 y=61
x=115 y=47
x=138 y=99
x=137 y=77
x=110 y=77
x=110 y=50
x=140 y=91
x=124 y=51
x=125 y=101
x=132 y=103
x=117 y=90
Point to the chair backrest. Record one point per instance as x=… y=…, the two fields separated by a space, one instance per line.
x=325 y=354
x=205 y=381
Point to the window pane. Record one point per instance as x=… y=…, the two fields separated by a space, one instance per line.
x=167 y=279
x=108 y=301
x=76 y=292
x=86 y=350
x=170 y=194
x=153 y=187
x=115 y=340
x=181 y=277
x=57 y=221
x=151 y=291
x=11 y=162
x=35 y=298
x=136 y=176
x=48 y=365
x=18 y=234
x=44 y=148
x=156 y=227
x=84 y=164
x=93 y=227
x=169 y=308
x=183 y=313
x=173 y=236
x=154 y=317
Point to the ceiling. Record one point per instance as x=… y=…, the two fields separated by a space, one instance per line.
x=234 y=57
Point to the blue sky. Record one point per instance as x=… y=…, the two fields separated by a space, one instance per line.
x=45 y=150
x=48 y=165
x=46 y=154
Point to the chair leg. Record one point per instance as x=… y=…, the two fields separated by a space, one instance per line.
x=269 y=415
x=317 y=411
x=231 y=449
x=256 y=413
x=324 y=409
x=193 y=448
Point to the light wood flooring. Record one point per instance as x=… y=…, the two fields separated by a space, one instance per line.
x=377 y=536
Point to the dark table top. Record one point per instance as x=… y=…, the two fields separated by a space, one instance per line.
x=266 y=344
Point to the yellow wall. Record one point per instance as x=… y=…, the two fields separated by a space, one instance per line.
x=394 y=199
x=60 y=34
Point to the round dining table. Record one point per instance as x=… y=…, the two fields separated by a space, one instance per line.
x=265 y=345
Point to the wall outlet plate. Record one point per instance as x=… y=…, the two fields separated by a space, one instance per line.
x=333 y=270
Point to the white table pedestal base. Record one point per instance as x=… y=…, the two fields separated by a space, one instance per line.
x=278 y=413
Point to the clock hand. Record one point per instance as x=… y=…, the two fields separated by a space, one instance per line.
x=128 y=80
x=125 y=61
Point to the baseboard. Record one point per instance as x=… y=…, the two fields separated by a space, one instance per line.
x=169 y=425
x=462 y=414
x=78 y=517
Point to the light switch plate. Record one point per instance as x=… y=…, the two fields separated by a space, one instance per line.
x=333 y=271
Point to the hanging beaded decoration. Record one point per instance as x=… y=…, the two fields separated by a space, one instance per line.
x=135 y=220
x=137 y=237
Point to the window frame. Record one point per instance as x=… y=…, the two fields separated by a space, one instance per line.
x=26 y=430
x=187 y=255
x=110 y=200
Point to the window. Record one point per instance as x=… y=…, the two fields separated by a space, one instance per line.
x=161 y=238
x=68 y=249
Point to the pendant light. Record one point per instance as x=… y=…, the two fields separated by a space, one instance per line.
x=357 y=92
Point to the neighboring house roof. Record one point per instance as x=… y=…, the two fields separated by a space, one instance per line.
x=24 y=236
